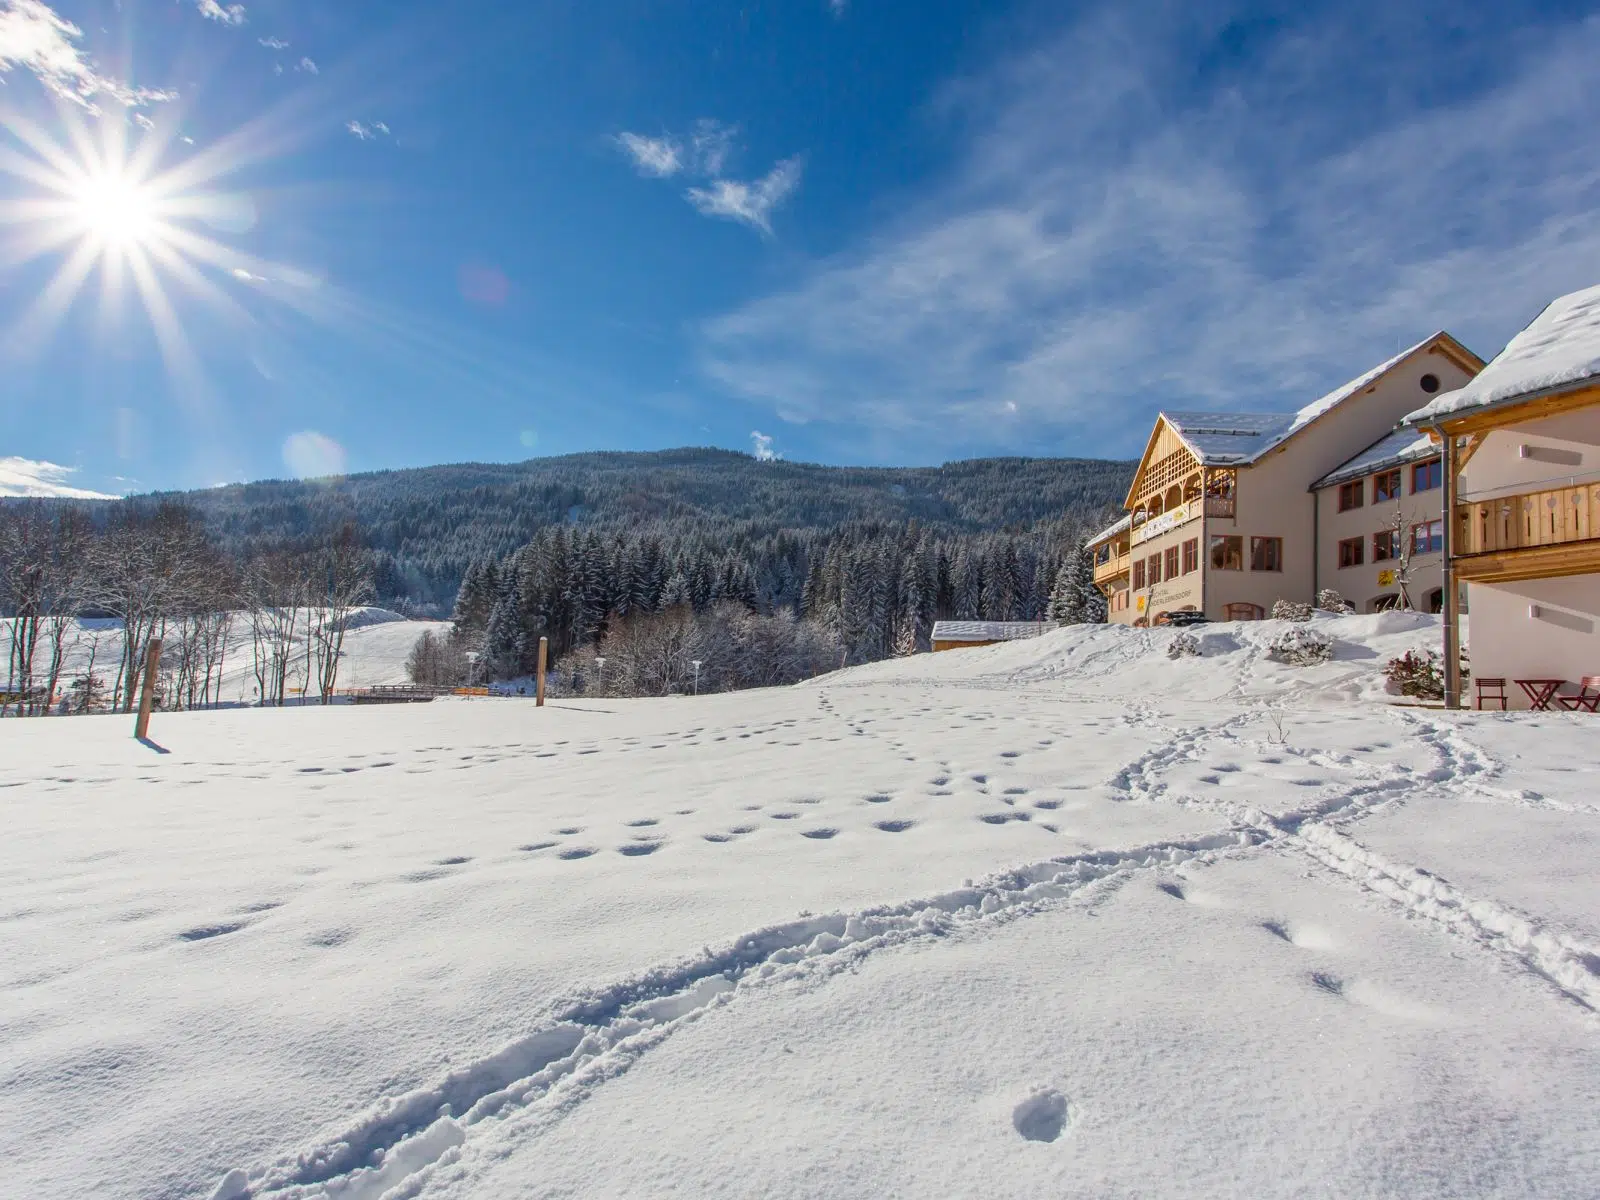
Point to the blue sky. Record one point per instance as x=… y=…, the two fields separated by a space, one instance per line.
x=370 y=234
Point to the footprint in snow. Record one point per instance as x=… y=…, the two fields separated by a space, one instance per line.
x=819 y=834
x=1042 y=1116
x=894 y=826
x=572 y=852
x=454 y=861
x=639 y=849
x=641 y=824
x=201 y=933
x=531 y=846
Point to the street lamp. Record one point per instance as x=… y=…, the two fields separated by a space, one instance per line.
x=696 y=663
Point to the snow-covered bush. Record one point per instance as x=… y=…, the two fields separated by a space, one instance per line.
x=1417 y=673
x=1301 y=648
x=1290 y=610
x=1185 y=645
x=1329 y=600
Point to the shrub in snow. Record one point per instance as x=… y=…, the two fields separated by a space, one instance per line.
x=1290 y=610
x=1329 y=600
x=1185 y=645
x=1417 y=673
x=1301 y=648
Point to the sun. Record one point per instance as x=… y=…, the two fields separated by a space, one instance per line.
x=115 y=209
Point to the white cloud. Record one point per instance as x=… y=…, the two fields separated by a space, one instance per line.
x=34 y=477
x=1248 y=244
x=751 y=203
x=367 y=132
x=273 y=43
x=233 y=14
x=659 y=157
x=142 y=121
x=309 y=67
x=710 y=145
x=837 y=7
x=761 y=447
x=34 y=37
x=312 y=455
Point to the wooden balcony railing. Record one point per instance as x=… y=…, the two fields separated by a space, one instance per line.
x=1549 y=518
x=1114 y=567
x=1219 y=506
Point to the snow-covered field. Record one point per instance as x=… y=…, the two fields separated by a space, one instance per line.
x=376 y=644
x=1060 y=917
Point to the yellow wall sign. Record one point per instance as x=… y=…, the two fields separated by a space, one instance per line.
x=1385 y=578
x=1141 y=603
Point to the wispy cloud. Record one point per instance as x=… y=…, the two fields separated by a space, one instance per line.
x=838 y=7
x=273 y=43
x=33 y=36
x=1247 y=242
x=751 y=203
x=232 y=14
x=659 y=157
x=761 y=447
x=35 y=477
x=367 y=133
x=704 y=154
x=309 y=67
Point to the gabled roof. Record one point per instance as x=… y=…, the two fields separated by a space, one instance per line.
x=988 y=631
x=1110 y=531
x=1399 y=446
x=1557 y=352
x=1239 y=439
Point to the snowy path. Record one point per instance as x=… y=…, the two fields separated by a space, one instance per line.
x=477 y=950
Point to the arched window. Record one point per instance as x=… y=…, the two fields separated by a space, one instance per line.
x=1436 y=600
x=1384 y=602
x=1242 y=611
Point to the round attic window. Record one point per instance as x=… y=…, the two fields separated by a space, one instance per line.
x=1430 y=384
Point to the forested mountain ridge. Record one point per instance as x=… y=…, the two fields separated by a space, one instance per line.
x=427 y=525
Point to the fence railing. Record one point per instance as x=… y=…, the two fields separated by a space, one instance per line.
x=1554 y=517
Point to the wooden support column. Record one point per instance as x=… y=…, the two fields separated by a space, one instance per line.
x=1451 y=463
x=544 y=659
x=147 y=690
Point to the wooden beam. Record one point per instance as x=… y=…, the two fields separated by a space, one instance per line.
x=1508 y=416
x=147 y=690
x=1473 y=443
x=1541 y=562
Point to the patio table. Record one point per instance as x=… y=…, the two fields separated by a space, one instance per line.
x=1540 y=692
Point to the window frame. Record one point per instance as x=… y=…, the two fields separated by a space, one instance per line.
x=1435 y=542
x=1170 y=567
x=1257 y=544
x=1191 y=556
x=1388 y=549
x=1138 y=575
x=1153 y=574
x=1435 y=471
x=1234 y=541
x=1352 y=495
x=1356 y=559
x=1396 y=481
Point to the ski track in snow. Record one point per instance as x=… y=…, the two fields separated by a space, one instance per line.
x=395 y=1149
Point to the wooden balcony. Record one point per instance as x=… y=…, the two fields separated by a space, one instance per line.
x=1220 y=506
x=1529 y=535
x=1114 y=567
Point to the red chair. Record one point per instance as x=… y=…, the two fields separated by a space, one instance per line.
x=1588 y=697
x=1492 y=689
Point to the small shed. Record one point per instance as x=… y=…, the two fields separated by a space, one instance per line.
x=953 y=635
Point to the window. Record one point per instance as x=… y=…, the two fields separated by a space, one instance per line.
x=1350 y=552
x=1426 y=476
x=1427 y=538
x=1227 y=552
x=1243 y=612
x=1385 y=545
x=1430 y=383
x=1383 y=603
x=1266 y=554
x=1436 y=600
x=1103 y=555
x=1172 y=562
x=1138 y=574
x=1155 y=569
x=1386 y=486
x=1191 y=555
x=1351 y=495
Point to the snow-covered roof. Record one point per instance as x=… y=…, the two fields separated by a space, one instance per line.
x=1400 y=446
x=1111 y=531
x=1559 y=350
x=1230 y=439
x=988 y=631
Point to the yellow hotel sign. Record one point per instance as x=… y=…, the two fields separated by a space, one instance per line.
x=1170 y=519
x=1385 y=578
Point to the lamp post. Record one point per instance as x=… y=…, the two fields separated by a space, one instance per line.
x=696 y=663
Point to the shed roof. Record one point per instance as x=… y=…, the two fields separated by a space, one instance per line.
x=1111 y=531
x=1558 y=351
x=988 y=631
x=1398 y=446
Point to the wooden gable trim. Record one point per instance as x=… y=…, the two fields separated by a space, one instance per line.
x=1512 y=413
x=1542 y=562
x=1456 y=353
x=1148 y=456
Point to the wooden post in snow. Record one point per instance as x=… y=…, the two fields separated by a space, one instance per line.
x=544 y=658
x=147 y=690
